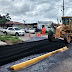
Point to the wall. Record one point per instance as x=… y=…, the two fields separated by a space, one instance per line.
x=45 y=23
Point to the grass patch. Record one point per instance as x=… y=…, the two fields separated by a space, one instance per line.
x=9 y=39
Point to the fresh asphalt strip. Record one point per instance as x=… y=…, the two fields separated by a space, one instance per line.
x=35 y=60
x=10 y=53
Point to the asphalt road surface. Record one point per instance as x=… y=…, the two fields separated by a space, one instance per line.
x=60 y=62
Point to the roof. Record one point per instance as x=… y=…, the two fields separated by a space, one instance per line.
x=9 y=22
x=67 y=17
x=12 y=22
x=45 y=22
x=30 y=23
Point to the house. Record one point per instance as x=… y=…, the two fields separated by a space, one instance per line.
x=12 y=24
x=30 y=25
x=46 y=24
x=18 y=24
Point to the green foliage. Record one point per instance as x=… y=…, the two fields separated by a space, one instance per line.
x=16 y=37
x=41 y=31
x=9 y=37
x=4 y=18
x=54 y=32
x=46 y=31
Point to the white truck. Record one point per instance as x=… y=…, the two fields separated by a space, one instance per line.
x=14 y=31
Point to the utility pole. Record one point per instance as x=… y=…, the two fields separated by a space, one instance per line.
x=63 y=8
x=24 y=21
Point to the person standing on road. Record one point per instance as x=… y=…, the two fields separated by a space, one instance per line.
x=43 y=31
x=37 y=32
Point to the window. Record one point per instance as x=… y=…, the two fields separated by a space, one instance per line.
x=65 y=21
x=10 y=29
x=16 y=28
x=71 y=20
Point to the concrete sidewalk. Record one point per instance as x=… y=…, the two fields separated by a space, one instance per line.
x=27 y=39
x=2 y=43
x=32 y=37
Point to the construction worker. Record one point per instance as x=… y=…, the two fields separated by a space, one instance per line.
x=43 y=31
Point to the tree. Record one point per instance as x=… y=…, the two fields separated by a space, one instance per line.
x=4 y=18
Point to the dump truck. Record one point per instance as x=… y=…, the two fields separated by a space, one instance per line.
x=63 y=31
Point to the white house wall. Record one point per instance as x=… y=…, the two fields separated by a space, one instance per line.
x=39 y=26
x=46 y=27
x=45 y=23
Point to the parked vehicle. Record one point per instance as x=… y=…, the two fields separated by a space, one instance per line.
x=24 y=29
x=27 y=30
x=14 y=31
x=31 y=30
x=1 y=29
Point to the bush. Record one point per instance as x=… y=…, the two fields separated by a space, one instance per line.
x=46 y=31
x=16 y=37
x=54 y=32
x=41 y=31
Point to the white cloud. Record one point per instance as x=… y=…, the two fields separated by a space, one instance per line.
x=69 y=11
x=34 y=10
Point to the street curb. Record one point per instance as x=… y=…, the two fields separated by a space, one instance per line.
x=2 y=43
x=35 y=60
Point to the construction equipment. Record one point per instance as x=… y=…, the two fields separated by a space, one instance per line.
x=62 y=31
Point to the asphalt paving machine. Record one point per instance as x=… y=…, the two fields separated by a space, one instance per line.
x=63 y=31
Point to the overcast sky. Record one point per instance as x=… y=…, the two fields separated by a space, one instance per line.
x=34 y=10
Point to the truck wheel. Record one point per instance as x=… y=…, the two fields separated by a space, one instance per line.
x=5 y=33
x=67 y=38
x=50 y=35
x=16 y=34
